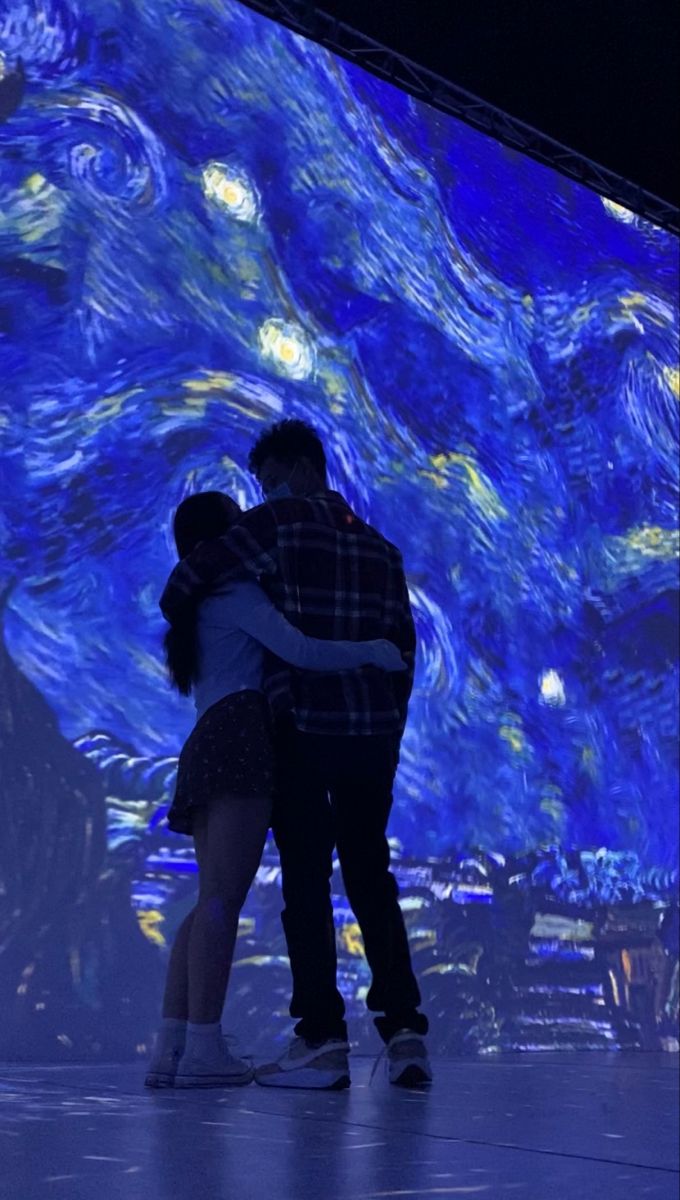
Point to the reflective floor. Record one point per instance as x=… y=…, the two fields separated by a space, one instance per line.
x=547 y=1127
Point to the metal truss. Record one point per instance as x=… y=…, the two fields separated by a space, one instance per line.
x=303 y=17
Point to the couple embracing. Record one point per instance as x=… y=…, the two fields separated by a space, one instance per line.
x=290 y=625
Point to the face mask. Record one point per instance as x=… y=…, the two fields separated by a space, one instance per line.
x=282 y=490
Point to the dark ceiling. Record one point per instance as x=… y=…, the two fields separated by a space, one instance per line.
x=600 y=76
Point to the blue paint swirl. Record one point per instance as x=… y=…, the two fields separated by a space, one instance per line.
x=207 y=222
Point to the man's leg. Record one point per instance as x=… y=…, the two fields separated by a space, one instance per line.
x=363 y=772
x=303 y=830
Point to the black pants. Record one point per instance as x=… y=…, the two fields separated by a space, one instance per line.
x=337 y=791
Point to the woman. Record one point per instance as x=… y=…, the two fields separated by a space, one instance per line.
x=225 y=783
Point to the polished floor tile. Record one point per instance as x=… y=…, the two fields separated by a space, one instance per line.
x=544 y=1128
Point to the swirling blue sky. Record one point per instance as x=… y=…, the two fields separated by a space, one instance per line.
x=207 y=222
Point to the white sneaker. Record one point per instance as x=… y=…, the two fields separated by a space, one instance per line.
x=308 y=1066
x=163 y=1068
x=407 y=1061
x=207 y=1062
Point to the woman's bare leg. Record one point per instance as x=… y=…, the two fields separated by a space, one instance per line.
x=176 y=995
x=229 y=836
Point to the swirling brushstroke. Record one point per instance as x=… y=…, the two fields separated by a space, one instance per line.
x=207 y=222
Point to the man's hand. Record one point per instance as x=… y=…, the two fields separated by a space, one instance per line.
x=248 y=547
x=177 y=597
x=386 y=655
x=187 y=583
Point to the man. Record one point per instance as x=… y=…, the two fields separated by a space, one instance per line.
x=338 y=736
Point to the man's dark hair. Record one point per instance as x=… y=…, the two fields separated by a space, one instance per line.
x=288 y=442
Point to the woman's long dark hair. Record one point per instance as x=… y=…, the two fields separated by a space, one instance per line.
x=198 y=519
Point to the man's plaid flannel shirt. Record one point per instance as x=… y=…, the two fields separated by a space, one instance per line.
x=333 y=576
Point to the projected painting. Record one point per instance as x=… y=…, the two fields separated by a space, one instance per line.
x=206 y=223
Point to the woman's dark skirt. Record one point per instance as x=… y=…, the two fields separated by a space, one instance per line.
x=229 y=752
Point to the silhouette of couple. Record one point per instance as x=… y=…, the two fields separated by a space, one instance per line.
x=290 y=625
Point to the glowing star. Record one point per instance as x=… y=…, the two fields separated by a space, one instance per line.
x=618 y=211
x=654 y=541
x=230 y=188
x=288 y=347
x=33 y=183
x=552 y=689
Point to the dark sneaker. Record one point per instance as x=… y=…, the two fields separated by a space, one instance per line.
x=306 y=1066
x=407 y=1061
